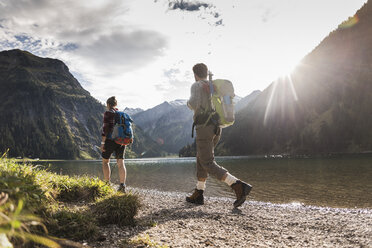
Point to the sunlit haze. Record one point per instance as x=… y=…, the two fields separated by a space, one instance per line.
x=142 y=51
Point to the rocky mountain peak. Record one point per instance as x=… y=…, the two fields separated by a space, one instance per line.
x=37 y=71
x=178 y=102
x=16 y=57
x=133 y=111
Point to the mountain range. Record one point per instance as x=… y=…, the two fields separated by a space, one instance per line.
x=46 y=113
x=242 y=103
x=323 y=107
x=169 y=124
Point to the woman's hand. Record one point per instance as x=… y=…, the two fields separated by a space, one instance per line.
x=102 y=148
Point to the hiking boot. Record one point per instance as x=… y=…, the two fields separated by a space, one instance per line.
x=197 y=197
x=121 y=188
x=241 y=190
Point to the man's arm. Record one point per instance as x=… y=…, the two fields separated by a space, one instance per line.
x=102 y=147
x=194 y=102
x=108 y=124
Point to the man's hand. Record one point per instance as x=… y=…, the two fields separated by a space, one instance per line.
x=102 y=148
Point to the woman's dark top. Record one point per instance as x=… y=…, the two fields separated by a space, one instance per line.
x=108 y=122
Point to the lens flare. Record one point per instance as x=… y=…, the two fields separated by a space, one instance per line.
x=294 y=93
x=282 y=86
x=269 y=104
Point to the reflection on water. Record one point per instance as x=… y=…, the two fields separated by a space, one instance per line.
x=336 y=182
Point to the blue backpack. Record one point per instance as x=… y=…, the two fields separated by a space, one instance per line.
x=122 y=133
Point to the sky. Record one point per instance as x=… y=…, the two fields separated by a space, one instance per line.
x=143 y=51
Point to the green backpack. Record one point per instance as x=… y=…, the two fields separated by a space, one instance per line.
x=222 y=112
x=222 y=95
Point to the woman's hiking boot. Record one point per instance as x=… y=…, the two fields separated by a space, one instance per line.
x=121 y=188
x=241 y=190
x=197 y=197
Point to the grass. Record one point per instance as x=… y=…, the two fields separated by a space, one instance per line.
x=76 y=225
x=28 y=183
x=15 y=224
x=50 y=198
x=80 y=188
x=117 y=209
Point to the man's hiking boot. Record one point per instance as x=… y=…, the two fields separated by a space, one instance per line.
x=121 y=188
x=197 y=197
x=241 y=190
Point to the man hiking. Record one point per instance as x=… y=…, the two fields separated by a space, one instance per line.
x=207 y=137
x=108 y=146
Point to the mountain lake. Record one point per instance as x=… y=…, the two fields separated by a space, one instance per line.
x=341 y=182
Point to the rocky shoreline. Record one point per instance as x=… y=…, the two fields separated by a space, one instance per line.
x=166 y=219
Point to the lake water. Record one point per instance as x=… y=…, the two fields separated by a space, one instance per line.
x=333 y=182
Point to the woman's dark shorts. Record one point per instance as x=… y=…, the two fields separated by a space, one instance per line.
x=110 y=147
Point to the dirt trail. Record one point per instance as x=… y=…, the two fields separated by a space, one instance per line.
x=168 y=220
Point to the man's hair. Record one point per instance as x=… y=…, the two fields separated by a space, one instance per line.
x=112 y=101
x=200 y=70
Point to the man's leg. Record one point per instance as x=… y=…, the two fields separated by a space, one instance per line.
x=201 y=174
x=227 y=177
x=119 y=152
x=106 y=154
x=106 y=169
x=204 y=150
x=122 y=171
x=208 y=139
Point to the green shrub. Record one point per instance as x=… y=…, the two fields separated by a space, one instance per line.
x=68 y=224
x=80 y=188
x=25 y=182
x=42 y=192
x=117 y=209
x=34 y=184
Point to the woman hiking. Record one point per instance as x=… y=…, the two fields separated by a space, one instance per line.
x=108 y=146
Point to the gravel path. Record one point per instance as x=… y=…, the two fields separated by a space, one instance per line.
x=168 y=220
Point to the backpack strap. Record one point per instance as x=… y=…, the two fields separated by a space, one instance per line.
x=209 y=118
x=211 y=87
x=211 y=92
x=122 y=120
x=192 y=130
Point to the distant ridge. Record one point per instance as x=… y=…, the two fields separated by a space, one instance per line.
x=133 y=111
x=169 y=123
x=243 y=102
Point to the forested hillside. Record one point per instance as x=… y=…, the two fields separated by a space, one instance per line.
x=323 y=107
x=45 y=112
